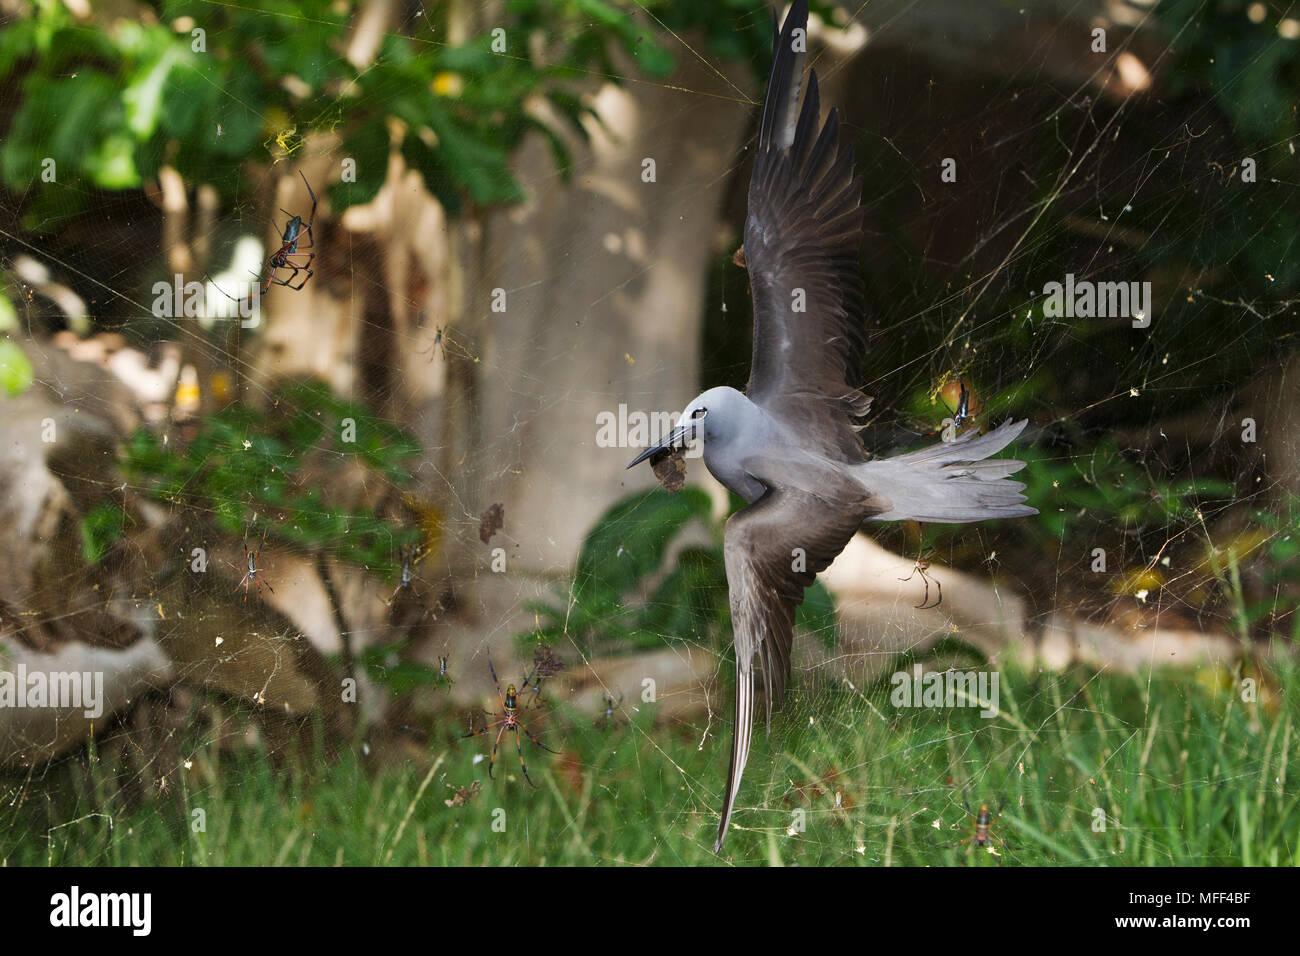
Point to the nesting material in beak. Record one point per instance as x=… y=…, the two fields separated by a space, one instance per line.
x=669 y=466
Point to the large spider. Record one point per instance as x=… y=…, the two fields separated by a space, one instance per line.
x=295 y=232
x=253 y=574
x=920 y=568
x=509 y=720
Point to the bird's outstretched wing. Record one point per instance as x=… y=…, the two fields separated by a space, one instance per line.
x=773 y=550
x=802 y=238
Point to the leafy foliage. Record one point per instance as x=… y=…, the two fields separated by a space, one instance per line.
x=16 y=372
x=626 y=594
x=102 y=525
x=243 y=461
x=387 y=667
x=1280 y=568
x=1106 y=486
x=202 y=87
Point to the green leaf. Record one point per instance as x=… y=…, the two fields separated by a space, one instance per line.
x=143 y=97
x=8 y=315
x=477 y=164
x=631 y=538
x=102 y=525
x=16 y=373
x=368 y=146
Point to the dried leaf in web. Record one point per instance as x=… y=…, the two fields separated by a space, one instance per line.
x=491 y=522
x=545 y=663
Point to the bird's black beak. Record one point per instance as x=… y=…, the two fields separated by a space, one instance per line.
x=678 y=436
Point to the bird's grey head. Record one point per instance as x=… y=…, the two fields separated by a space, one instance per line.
x=711 y=417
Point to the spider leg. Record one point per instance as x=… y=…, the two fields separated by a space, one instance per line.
x=298 y=287
x=926 y=600
x=492 y=762
x=228 y=295
x=309 y=193
x=276 y=280
x=482 y=730
x=537 y=742
x=520 y=749
x=493 y=672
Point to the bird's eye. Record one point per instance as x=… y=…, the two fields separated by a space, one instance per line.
x=699 y=413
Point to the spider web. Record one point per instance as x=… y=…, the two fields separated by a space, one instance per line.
x=1057 y=173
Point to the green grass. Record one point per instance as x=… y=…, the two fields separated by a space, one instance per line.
x=1183 y=774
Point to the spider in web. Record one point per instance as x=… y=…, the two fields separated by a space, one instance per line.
x=921 y=567
x=253 y=574
x=951 y=427
x=983 y=829
x=962 y=414
x=410 y=555
x=296 y=231
x=509 y=720
x=608 y=719
x=437 y=345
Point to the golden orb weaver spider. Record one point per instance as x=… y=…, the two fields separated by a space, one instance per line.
x=983 y=829
x=921 y=567
x=252 y=574
x=410 y=556
x=509 y=721
x=296 y=231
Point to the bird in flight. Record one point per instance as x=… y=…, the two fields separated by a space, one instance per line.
x=787 y=445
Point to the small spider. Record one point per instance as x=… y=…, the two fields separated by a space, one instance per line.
x=983 y=829
x=607 y=719
x=253 y=574
x=920 y=568
x=963 y=414
x=410 y=556
x=545 y=664
x=951 y=427
x=436 y=344
x=509 y=720
x=296 y=231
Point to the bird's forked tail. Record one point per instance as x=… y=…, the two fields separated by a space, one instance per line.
x=950 y=481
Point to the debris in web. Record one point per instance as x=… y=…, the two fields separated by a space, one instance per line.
x=545 y=663
x=669 y=467
x=463 y=795
x=492 y=521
